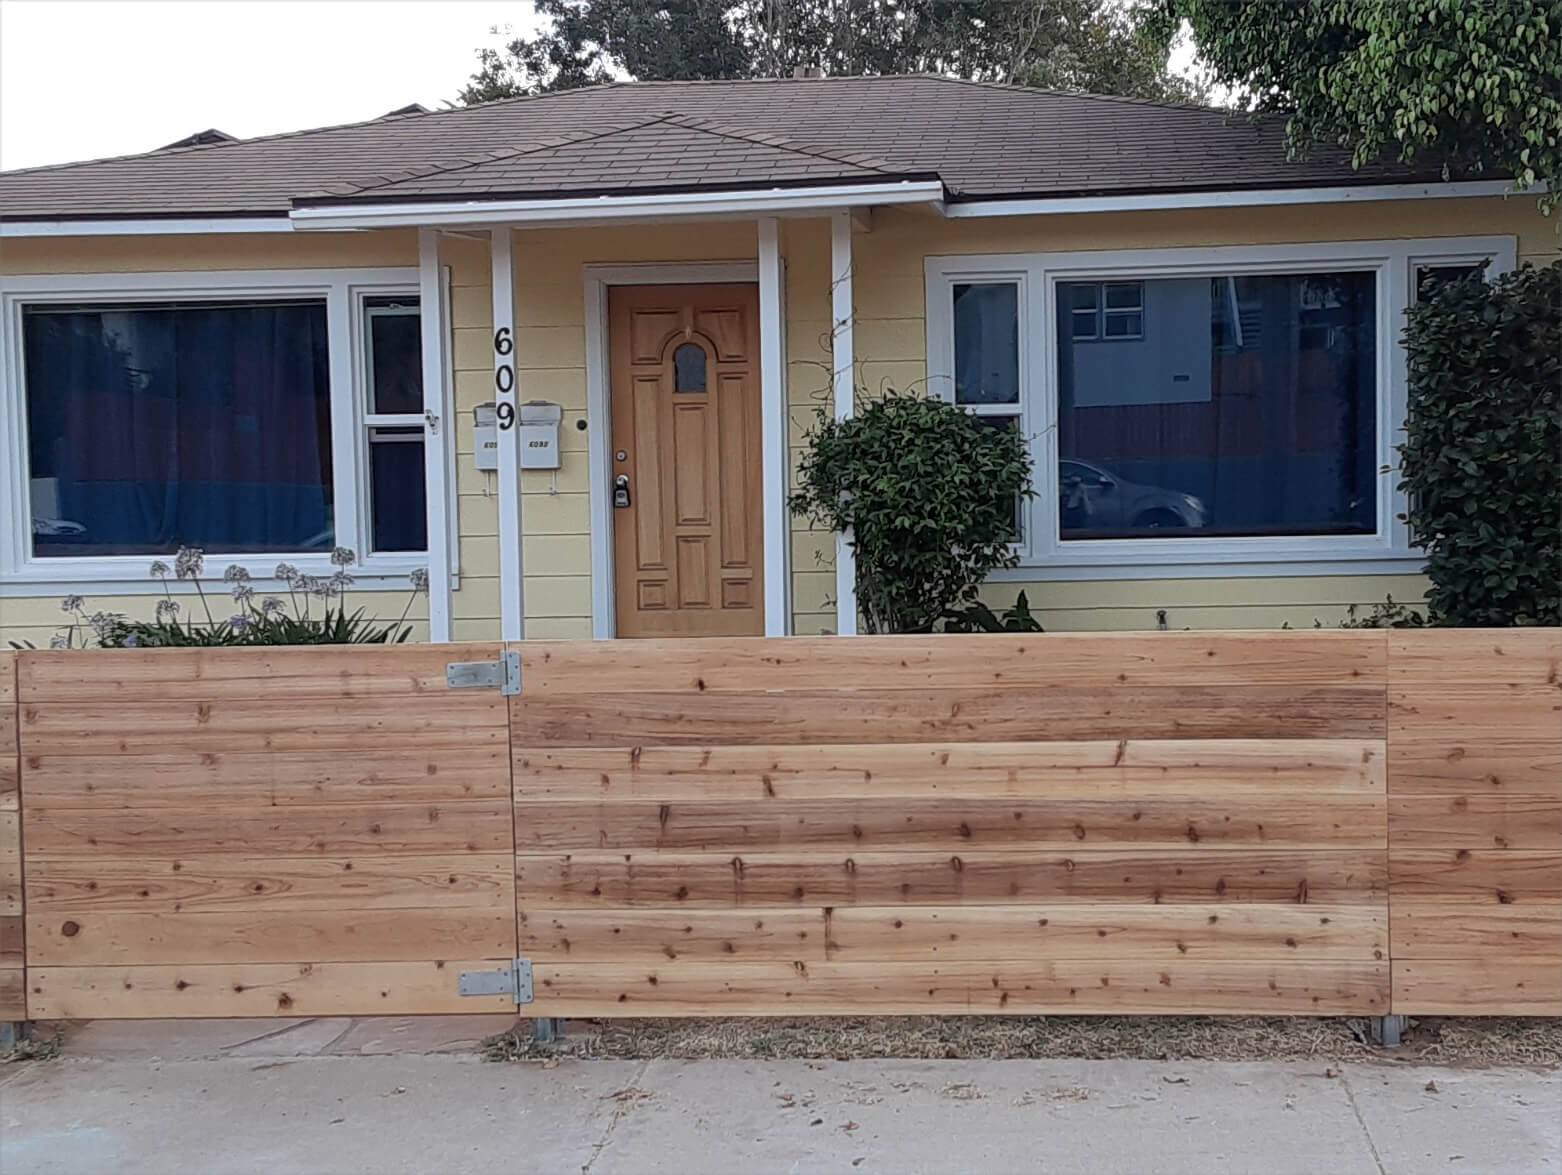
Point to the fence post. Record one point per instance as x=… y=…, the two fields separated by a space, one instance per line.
x=13 y=956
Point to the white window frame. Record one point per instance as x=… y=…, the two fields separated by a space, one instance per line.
x=343 y=290
x=1044 y=554
x=368 y=418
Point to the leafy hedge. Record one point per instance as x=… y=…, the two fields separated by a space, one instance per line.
x=1482 y=459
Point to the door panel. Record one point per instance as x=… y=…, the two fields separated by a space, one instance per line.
x=685 y=392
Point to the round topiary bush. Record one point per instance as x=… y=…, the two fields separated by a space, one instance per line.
x=927 y=492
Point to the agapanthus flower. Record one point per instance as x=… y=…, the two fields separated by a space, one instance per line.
x=158 y=570
x=418 y=578
x=167 y=611
x=72 y=604
x=270 y=605
x=242 y=592
x=189 y=562
x=287 y=573
x=235 y=574
x=238 y=623
x=343 y=557
x=59 y=641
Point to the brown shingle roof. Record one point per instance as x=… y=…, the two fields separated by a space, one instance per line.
x=983 y=140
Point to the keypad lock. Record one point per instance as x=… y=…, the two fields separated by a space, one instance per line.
x=621 y=492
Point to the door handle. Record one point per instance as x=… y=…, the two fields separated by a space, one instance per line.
x=621 y=492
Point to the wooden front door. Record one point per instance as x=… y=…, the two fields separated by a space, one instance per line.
x=686 y=448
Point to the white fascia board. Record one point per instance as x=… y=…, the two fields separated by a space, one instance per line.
x=545 y=212
x=1042 y=206
x=145 y=228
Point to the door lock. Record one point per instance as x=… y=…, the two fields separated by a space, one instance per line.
x=621 y=492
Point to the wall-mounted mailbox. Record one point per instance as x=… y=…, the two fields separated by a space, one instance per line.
x=539 y=440
x=485 y=437
x=540 y=434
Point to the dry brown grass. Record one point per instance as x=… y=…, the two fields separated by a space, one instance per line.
x=1473 y=1042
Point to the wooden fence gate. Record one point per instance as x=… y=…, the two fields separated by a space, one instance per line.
x=1309 y=823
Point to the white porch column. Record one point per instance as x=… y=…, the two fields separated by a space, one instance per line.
x=434 y=325
x=512 y=610
x=774 y=428
x=843 y=362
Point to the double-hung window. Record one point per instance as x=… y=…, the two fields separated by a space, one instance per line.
x=261 y=416
x=1235 y=407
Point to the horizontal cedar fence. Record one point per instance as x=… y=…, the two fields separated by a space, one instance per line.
x=248 y=832
x=1126 y=823
x=1475 y=820
x=12 y=997
x=1292 y=822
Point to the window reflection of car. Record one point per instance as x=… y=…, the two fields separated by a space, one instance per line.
x=1096 y=499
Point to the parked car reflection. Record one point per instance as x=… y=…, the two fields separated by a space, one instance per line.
x=1096 y=501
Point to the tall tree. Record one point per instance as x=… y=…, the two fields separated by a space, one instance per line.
x=1475 y=82
x=1107 y=46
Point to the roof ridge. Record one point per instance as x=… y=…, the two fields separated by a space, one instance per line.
x=478 y=159
x=781 y=142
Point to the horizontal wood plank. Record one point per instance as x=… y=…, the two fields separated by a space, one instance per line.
x=954 y=715
x=1276 y=933
x=10 y=863
x=279 y=674
x=1481 y=821
x=12 y=950
x=236 y=883
x=585 y=934
x=1279 y=819
x=13 y=994
x=1502 y=877
x=468 y=718
x=1064 y=986
x=259 y=936
x=1430 y=659
x=256 y=989
x=975 y=878
x=967 y=933
x=1432 y=928
x=1477 y=760
x=218 y=779
x=381 y=830
x=927 y=662
x=1490 y=985
x=1104 y=767
x=1454 y=715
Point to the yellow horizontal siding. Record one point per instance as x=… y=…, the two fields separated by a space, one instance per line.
x=890 y=341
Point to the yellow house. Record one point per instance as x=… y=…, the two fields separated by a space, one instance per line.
x=561 y=352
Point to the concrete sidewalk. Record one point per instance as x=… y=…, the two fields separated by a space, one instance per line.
x=275 y=1103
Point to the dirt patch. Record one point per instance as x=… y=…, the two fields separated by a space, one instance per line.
x=1471 y=1042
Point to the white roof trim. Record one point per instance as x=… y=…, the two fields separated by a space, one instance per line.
x=581 y=209
x=1041 y=205
x=145 y=228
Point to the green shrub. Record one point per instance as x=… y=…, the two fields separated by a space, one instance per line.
x=978 y=617
x=927 y=492
x=1482 y=458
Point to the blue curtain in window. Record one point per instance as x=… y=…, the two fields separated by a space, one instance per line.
x=152 y=427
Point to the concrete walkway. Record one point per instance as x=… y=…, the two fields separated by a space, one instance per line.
x=398 y=1096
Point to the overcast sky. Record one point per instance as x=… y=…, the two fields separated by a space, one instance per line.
x=80 y=79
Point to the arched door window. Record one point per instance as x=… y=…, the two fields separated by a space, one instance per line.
x=689 y=368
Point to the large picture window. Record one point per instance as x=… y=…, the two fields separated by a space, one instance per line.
x=1235 y=407
x=262 y=417
x=1246 y=407
x=151 y=427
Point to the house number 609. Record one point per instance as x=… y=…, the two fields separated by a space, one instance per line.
x=504 y=378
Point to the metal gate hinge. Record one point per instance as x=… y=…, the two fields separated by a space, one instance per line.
x=514 y=981
x=503 y=674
